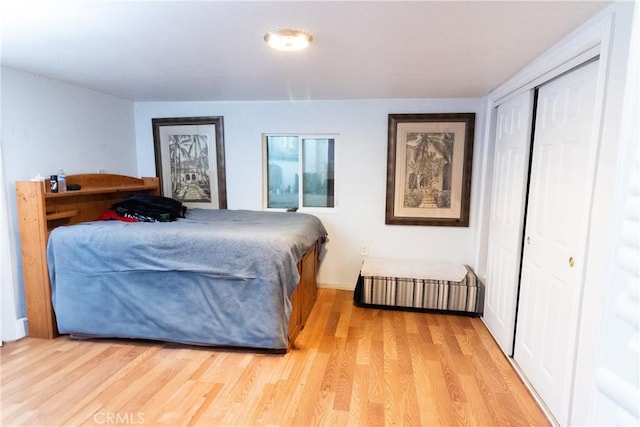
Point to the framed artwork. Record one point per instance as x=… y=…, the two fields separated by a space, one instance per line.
x=429 y=160
x=189 y=155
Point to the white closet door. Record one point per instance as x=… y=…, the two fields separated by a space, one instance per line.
x=562 y=172
x=508 y=195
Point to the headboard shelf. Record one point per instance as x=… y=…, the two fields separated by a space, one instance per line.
x=40 y=211
x=61 y=215
x=101 y=190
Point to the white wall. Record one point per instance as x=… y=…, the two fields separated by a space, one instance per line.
x=47 y=125
x=361 y=159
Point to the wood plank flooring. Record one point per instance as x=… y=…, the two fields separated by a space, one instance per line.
x=349 y=366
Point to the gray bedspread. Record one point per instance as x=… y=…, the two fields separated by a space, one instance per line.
x=216 y=277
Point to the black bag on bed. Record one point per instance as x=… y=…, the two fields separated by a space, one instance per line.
x=148 y=205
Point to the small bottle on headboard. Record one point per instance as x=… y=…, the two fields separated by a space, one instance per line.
x=62 y=181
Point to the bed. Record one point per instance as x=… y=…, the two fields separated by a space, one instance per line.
x=216 y=277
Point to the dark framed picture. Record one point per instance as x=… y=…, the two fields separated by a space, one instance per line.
x=190 y=160
x=429 y=160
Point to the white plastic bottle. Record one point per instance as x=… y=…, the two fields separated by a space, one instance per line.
x=62 y=181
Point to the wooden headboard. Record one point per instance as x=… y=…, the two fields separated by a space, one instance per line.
x=40 y=211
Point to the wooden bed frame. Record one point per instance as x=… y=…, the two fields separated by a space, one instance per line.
x=40 y=211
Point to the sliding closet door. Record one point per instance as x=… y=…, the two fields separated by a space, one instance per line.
x=508 y=195
x=562 y=171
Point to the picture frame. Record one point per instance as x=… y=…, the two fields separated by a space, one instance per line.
x=429 y=160
x=190 y=163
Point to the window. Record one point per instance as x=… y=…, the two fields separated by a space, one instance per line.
x=294 y=162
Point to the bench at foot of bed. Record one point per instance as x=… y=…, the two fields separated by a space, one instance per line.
x=419 y=285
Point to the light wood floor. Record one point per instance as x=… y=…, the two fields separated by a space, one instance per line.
x=350 y=366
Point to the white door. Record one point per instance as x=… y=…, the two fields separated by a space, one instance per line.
x=562 y=172
x=508 y=195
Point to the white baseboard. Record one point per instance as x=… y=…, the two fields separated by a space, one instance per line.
x=21 y=328
x=18 y=331
x=341 y=287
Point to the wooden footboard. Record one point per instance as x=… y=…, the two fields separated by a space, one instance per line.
x=304 y=296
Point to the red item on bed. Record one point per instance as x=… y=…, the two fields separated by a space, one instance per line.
x=111 y=214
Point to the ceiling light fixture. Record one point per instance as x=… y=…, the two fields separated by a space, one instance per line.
x=288 y=39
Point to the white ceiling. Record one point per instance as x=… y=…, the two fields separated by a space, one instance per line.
x=213 y=50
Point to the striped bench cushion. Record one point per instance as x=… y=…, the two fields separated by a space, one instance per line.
x=418 y=285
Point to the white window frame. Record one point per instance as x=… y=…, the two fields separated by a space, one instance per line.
x=301 y=137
